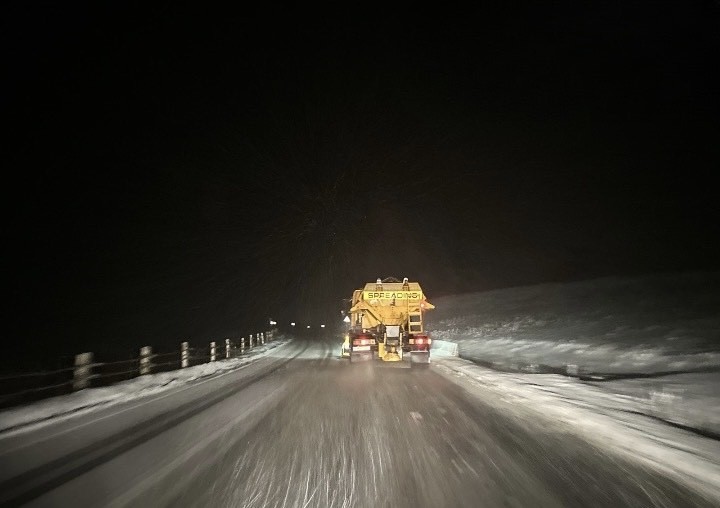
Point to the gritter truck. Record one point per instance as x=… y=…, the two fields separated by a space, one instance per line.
x=386 y=323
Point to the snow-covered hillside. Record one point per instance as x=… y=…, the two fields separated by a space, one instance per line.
x=652 y=342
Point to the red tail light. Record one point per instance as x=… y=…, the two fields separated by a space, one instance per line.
x=363 y=340
x=421 y=340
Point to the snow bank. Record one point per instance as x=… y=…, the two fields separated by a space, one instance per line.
x=658 y=336
x=444 y=348
x=132 y=389
x=613 y=422
x=660 y=323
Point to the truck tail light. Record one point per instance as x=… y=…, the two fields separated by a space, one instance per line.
x=363 y=340
x=421 y=340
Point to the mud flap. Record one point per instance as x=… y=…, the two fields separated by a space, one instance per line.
x=419 y=358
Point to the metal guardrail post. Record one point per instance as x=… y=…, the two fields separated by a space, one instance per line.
x=82 y=371
x=145 y=360
x=84 y=363
x=184 y=357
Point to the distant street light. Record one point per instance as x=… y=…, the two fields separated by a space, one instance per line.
x=308 y=326
x=292 y=324
x=322 y=326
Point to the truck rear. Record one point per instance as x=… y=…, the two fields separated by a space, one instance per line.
x=386 y=323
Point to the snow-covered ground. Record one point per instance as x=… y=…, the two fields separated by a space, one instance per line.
x=648 y=345
x=616 y=424
x=631 y=364
x=50 y=410
x=655 y=339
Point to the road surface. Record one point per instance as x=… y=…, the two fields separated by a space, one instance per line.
x=312 y=430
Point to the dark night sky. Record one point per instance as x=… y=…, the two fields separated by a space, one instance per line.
x=179 y=172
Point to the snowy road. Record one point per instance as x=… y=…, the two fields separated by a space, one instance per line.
x=304 y=428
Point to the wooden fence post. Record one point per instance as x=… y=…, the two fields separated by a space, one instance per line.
x=83 y=370
x=145 y=360
x=212 y=351
x=227 y=348
x=184 y=357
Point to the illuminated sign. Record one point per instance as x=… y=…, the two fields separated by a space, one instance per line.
x=392 y=295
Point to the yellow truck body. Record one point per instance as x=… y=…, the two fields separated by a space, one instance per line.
x=386 y=320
